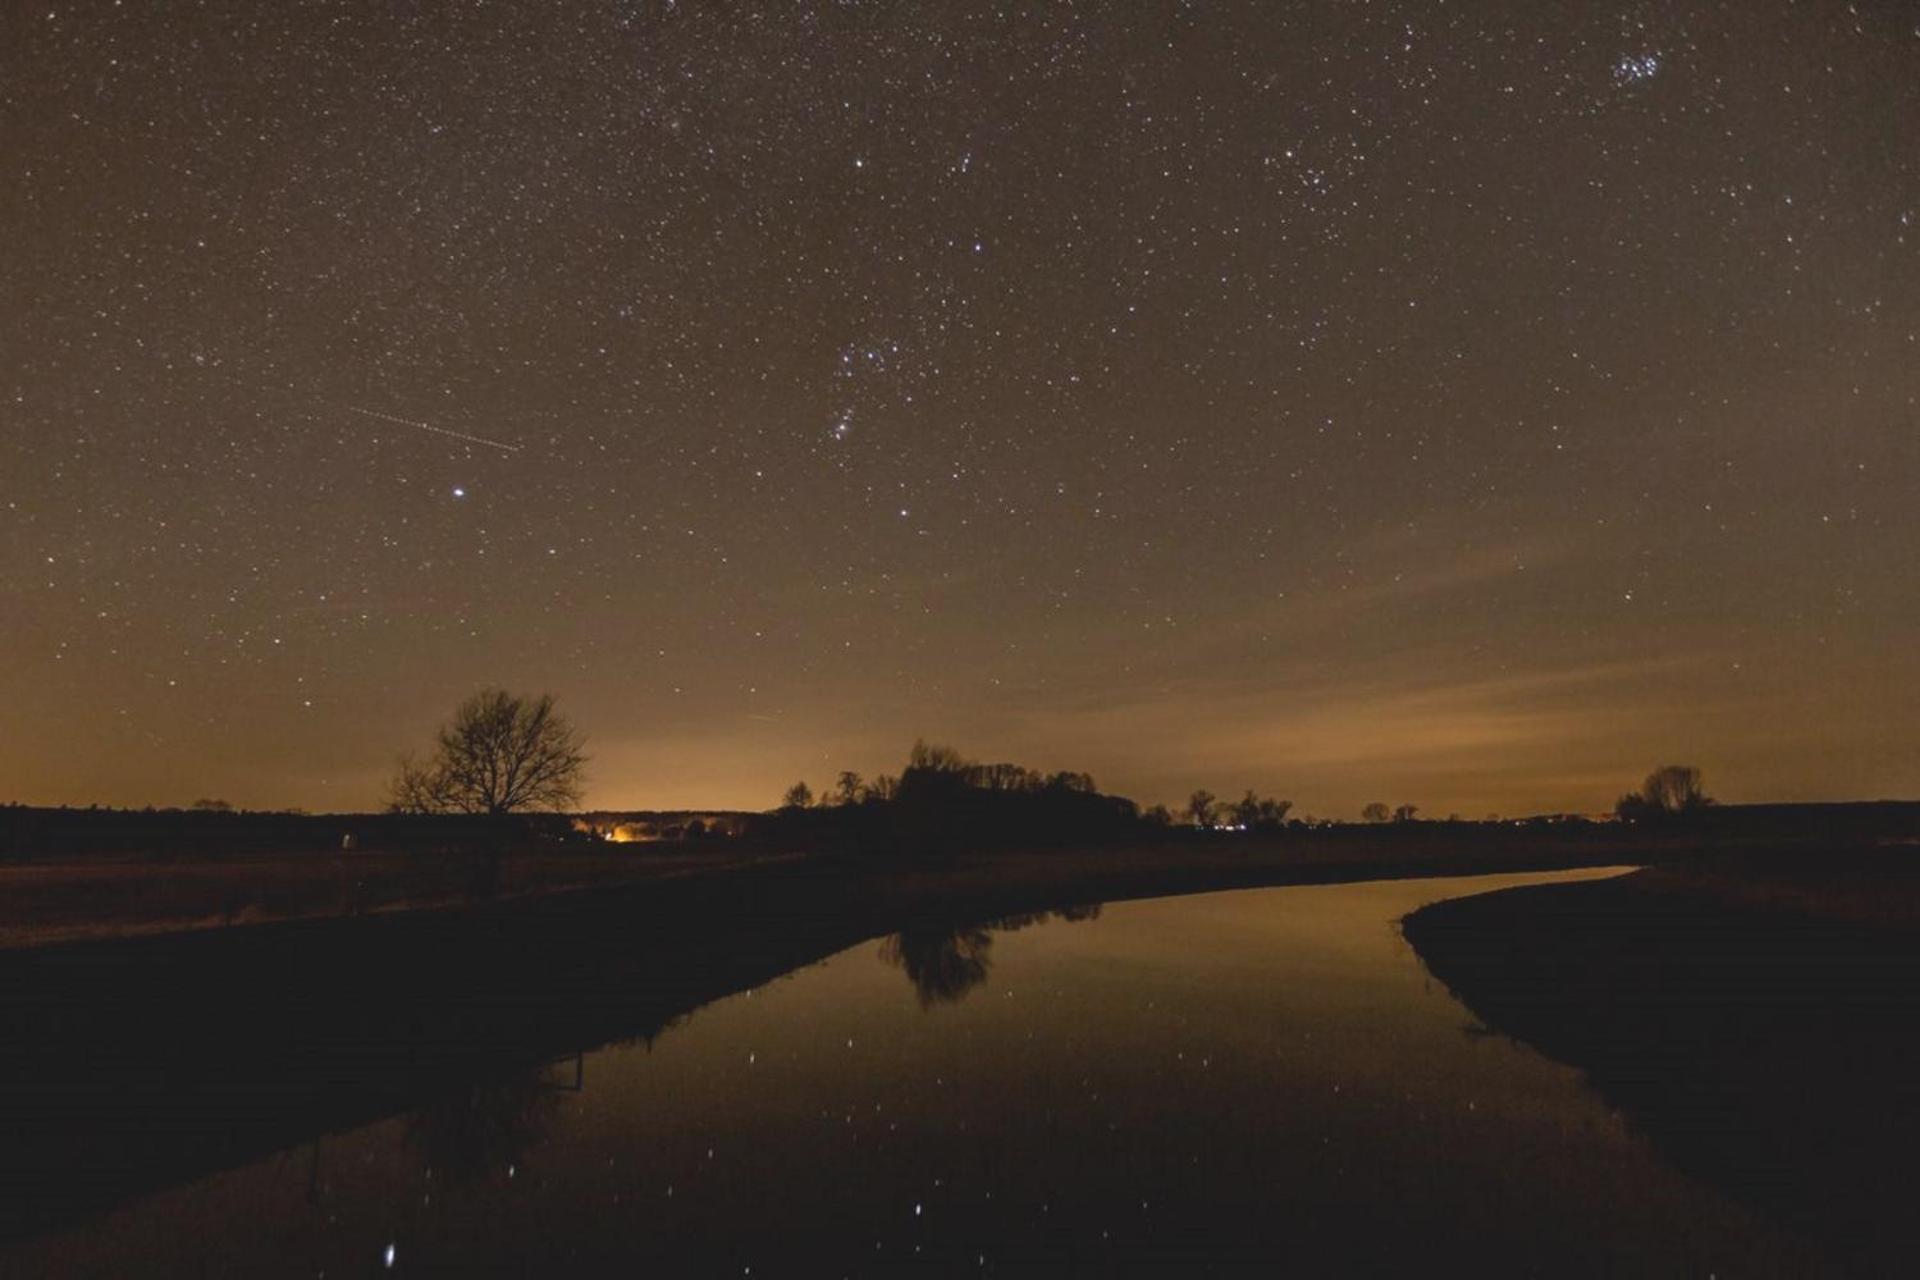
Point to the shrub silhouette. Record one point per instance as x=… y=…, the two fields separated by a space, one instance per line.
x=1670 y=790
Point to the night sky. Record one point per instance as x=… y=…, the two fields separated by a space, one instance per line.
x=1466 y=404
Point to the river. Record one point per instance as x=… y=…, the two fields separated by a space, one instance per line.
x=1252 y=1081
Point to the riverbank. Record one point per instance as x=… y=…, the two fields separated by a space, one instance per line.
x=96 y=896
x=137 y=1062
x=1757 y=1023
x=140 y=1061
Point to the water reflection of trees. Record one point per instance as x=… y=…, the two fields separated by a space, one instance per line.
x=945 y=962
x=488 y=1125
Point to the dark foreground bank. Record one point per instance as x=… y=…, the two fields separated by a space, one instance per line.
x=1758 y=1023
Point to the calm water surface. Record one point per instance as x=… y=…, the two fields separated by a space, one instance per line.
x=1258 y=1081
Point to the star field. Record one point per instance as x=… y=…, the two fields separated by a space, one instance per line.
x=1468 y=404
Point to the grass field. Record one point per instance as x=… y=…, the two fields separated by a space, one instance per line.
x=99 y=896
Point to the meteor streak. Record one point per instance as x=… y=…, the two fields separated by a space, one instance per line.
x=428 y=426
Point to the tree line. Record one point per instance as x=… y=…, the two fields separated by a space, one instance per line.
x=932 y=767
x=503 y=754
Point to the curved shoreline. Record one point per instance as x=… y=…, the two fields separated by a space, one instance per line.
x=136 y=1063
x=1760 y=1048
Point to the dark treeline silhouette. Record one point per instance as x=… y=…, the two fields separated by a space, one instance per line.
x=943 y=803
x=1250 y=813
x=875 y=823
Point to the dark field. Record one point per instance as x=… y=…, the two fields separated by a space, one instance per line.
x=120 y=895
x=71 y=875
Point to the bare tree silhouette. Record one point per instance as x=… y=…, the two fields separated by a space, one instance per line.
x=1375 y=812
x=500 y=753
x=935 y=758
x=1202 y=808
x=1246 y=810
x=798 y=796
